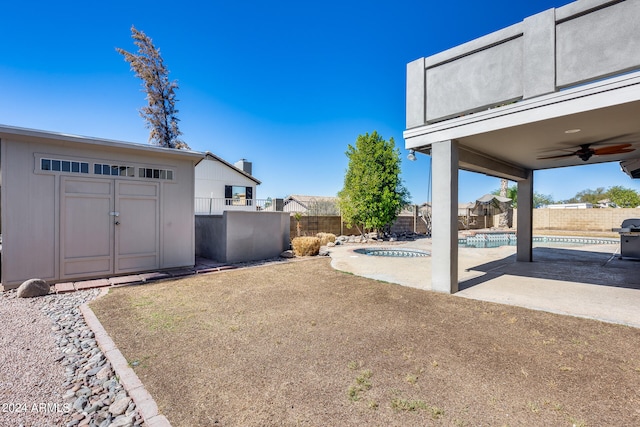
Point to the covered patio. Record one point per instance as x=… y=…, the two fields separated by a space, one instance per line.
x=561 y=88
x=608 y=286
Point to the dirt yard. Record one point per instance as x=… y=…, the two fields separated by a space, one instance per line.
x=302 y=344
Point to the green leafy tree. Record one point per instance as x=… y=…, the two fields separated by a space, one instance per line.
x=589 y=196
x=373 y=194
x=620 y=196
x=160 y=112
x=623 y=197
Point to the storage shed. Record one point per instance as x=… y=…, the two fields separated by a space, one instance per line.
x=75 y=208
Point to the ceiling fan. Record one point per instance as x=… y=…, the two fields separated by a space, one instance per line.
x=586 y=151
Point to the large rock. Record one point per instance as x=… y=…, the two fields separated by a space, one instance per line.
x=33 y=288
x=287 y=254
x=120 y=405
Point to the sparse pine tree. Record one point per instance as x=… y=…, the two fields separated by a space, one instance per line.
x=160 y=113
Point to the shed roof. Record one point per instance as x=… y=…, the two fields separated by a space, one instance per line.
x=25 y=134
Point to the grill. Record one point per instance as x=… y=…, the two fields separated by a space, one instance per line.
x=629 y=238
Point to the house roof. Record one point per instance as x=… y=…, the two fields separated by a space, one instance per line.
x=209 y=154
x=306 y=200
x=25 y=134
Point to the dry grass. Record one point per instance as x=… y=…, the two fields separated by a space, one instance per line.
x=301 y=344
x=326 y=238
x=306 y=246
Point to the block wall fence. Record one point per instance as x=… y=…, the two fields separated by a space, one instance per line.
x=592 y=220
x=602 y=220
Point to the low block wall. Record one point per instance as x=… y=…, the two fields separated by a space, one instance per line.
x=242 y=236
x=310 y=225
x=602 y=220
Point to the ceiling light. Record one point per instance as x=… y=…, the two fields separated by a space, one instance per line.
x=412 y=155
x=572 y=130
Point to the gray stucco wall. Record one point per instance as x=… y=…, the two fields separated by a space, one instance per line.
x=558 y=48
x=238 y=236
x=211 y=237
x=601 y=43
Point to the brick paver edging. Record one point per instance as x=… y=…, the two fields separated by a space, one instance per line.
x=128 y=378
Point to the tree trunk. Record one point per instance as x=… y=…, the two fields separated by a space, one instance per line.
x=503 y=222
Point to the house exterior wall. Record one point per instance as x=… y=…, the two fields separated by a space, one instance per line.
x=294 y=206
x=211 y=177
x=31 y=202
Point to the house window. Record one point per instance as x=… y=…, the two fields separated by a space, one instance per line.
x=236 y=195
x=113 y=170
x=155 y=173
x=64 y=166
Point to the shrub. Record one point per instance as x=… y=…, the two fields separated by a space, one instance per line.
x=326 y=238
x=306 y=246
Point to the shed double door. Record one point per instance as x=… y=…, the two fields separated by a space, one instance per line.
x=108 y=226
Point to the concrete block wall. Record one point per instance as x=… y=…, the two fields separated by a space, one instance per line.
x=310 y=226
x=602 y=220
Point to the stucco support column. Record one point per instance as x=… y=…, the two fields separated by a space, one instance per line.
x=525 y=219
x=444 y=253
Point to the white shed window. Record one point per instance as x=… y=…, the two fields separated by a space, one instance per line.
x=64 y=166
x=113 y=170
x=155 y=173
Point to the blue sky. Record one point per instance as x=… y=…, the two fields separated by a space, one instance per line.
x=287 y=85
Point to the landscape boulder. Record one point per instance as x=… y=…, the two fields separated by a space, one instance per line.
x=287 y=254
x=33 y=288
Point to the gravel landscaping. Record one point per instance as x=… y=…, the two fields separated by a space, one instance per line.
x=52 y=372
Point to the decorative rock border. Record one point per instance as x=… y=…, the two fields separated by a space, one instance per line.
x=145 y=404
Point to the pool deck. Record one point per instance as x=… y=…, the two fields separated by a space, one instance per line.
x=589 y=281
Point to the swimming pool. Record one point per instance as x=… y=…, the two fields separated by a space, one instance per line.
x=393 y=252
x=492 y=240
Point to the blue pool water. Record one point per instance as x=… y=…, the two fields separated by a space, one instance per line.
x=496 y=240
x=400 y=252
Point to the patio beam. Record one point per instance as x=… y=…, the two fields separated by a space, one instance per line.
x=476 y=162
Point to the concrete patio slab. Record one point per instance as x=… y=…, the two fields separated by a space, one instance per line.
x=588 y=281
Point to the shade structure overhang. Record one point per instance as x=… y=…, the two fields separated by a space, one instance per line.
x=561 y=88
x=508 y=140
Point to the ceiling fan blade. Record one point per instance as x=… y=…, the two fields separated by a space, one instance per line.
x=613 y=140
x=557 y=157
x=613 y=149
